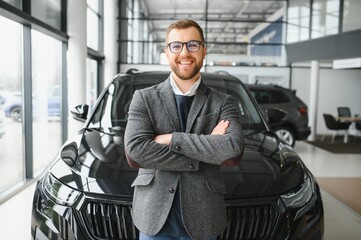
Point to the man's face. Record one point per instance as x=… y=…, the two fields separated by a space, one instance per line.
x=185 y=65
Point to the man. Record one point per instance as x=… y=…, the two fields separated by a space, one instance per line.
x=179 y=133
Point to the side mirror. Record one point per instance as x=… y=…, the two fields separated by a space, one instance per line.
x=276 y=116
x=80 y=112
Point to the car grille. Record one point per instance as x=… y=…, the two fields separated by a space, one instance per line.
x=109 y=220
x=114 y=221
x=251 y=222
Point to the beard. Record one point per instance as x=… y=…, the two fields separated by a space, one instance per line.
x=186 y=75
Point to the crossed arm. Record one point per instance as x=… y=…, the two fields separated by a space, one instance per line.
x=167 y=138
x=178 y=151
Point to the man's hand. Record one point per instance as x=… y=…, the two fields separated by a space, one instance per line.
x=220 y=128
x=163 y=139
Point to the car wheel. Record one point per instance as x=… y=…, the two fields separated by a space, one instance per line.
x=16 y=114
x=286 y=134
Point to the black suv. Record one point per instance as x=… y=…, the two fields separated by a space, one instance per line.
x=86 y=192
x=295 y=127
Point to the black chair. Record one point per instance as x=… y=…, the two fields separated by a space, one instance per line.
x=344 y=112
x=335 y=126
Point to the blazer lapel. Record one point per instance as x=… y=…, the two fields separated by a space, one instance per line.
x=198 y=102
x=167 y=96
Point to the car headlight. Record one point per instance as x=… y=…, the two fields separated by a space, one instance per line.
x=300 y=196
x=58 y=191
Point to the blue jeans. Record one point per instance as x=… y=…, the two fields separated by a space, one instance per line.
x=160 y=236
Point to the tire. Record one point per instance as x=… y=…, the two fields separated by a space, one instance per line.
x=286 y=134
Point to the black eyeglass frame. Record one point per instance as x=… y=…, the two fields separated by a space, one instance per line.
x=186 y=43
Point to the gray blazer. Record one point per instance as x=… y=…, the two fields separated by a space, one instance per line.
x=192 y=161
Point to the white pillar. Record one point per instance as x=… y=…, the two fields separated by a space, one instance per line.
x=312 y=108
x=76 y=57
x=110 y=39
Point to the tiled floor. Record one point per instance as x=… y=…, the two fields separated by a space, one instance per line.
x=340 y=221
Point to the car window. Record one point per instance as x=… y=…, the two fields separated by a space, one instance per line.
x=261 y=96
x=279 y=97
x=112 y=111
x=265 y=96
x=248 y=112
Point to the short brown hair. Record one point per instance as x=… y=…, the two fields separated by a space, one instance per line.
x=185 y=23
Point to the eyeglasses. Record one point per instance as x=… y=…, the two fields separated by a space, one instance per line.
x=192 y=46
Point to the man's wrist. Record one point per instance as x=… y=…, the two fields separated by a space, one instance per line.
x=164 y=139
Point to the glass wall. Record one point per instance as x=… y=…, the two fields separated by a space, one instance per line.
x=46 y=91
x=325 y=17
x=238 y=33
x=11 y=134
x=91 y=82
x=95 y=20
x=15 y=3
x=48 y=11
x=95 y=47
x=93 y=24
x=351 y=15
x=298 y=25
x=32 y=76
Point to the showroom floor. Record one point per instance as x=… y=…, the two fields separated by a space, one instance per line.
x=341 y=222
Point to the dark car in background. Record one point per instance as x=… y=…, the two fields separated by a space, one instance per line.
x=295 y=127
x=86 y=192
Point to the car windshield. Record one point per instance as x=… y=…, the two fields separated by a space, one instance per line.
x=110 y=114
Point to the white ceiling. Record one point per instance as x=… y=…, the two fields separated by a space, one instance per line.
x=228 y=21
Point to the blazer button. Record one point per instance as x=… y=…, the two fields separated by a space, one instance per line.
x=178 y=148
x=171 y=190
x=191 y=166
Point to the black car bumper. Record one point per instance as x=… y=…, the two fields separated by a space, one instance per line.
x=303 y=134
x=86 y=220
x=53 y=221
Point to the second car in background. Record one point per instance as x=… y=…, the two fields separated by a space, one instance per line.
x=295 y=127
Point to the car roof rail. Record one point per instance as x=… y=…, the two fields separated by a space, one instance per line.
x=132 y=71
x=222 y=72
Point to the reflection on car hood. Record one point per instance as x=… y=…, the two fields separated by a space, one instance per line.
x=95 y=162
x=268 y=167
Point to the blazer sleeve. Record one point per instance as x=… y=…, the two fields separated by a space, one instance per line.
x=225 y=149
x=142 y=151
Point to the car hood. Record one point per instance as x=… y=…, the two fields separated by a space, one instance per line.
x=95 y=162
